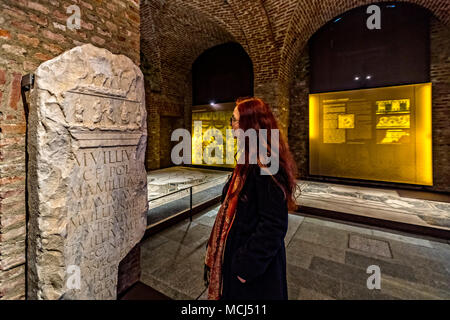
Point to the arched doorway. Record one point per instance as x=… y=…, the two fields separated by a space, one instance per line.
x=373 y=60
x=220 y=75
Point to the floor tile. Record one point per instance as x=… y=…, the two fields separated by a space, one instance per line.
x=395 y=270
x=298 y=246
x=354 y=292
x=321 y=235
x=369 y=245
x=314 y=281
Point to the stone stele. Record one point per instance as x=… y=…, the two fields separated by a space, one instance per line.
x=87 y=182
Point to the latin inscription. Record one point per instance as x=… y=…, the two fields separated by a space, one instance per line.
x=102 y=205
x=88 y=185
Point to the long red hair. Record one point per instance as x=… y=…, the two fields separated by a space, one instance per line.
x=254 y=113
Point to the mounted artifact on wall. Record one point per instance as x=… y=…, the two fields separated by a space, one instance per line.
x=87 y=182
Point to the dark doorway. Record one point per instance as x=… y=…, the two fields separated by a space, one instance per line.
x=222 y=74
x=345 y=54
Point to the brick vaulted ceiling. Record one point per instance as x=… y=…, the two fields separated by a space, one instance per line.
x=307 y=19
x=259 y=26
x=273 y=32
x=173 y=35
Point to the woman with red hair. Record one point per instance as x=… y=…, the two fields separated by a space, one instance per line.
x=245 y=257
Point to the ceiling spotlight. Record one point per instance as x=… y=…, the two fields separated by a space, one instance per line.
x=212 y=103
x=368 y=77
x=356 y=78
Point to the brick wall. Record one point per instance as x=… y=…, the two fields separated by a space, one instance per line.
x=173 y=35
x=31 y=32
x=440 y=78
x=168 y=125
x=298 y=132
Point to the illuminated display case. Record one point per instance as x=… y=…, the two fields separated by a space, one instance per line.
x=373 y=134
x=215 y=122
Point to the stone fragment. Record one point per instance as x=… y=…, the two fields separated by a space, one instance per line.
x=87 y=180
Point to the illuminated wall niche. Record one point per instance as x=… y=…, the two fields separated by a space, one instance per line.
x=215 y=120
x=372 y=134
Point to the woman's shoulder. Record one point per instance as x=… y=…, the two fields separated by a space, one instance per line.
x=265 y=174
x=270 y=190
x=265 y=179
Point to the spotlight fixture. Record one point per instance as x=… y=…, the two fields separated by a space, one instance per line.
x=356 y=78
x=212 y=103
x=368 y=77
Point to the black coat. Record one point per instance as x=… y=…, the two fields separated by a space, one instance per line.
x=255 y=248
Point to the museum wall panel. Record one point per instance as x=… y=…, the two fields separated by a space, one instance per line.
x=379 y=134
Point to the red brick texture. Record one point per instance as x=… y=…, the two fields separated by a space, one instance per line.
x=440 y=78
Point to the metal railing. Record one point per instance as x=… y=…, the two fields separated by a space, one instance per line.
x=191 y=193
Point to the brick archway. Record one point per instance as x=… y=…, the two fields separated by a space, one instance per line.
x=296 y=79
x=308 y=18
x=173 y=35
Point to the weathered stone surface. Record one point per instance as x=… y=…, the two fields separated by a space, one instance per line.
x=87 y=180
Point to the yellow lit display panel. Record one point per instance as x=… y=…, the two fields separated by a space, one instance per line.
x=214 y=122
x=379 y=134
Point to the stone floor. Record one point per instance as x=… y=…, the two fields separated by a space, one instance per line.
x=326 y=260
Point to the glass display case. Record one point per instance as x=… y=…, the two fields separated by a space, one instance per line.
x=173 y=191
x=213 y=123
x=373 y=134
